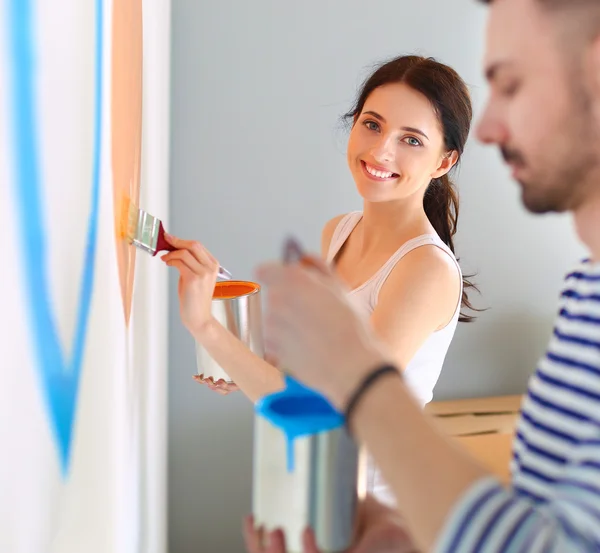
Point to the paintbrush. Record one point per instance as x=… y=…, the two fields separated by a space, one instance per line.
x=293 y=253
x=147 y=233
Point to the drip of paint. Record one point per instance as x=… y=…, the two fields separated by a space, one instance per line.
x=298 y=411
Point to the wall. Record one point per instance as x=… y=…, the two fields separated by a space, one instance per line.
x=83 y=395
x=258 y=151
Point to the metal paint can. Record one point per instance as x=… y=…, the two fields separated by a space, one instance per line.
x=320 y=488
x=236 y=304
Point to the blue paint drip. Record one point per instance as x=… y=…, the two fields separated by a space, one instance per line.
x=298 y=411
x=59 y=377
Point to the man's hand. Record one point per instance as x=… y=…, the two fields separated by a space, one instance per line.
x=379 y=529
x=315 y=332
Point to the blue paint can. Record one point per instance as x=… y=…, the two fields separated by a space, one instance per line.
x=306 y=468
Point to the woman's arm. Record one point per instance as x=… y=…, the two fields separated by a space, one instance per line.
x=197 y=267
x=197 y=276
x=253 y=376
x=419 y=297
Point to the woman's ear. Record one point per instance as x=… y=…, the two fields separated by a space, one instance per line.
x=447 y=162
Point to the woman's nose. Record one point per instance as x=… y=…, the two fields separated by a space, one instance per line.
x=385 y=149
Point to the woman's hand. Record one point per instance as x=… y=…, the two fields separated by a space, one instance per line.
x=220 y=386
x=380 y=530
x=198 y=271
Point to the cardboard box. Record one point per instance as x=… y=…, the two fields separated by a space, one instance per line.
x=484 y=426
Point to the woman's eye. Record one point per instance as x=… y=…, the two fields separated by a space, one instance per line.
x=371 y=125
x=412 y=141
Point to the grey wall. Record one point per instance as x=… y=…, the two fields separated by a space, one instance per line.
x=257 y=151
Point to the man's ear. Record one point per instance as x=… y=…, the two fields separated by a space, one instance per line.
x=592 y=70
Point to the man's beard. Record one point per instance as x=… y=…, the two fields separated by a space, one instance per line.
x=568 y=166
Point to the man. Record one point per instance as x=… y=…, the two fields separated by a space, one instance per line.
x=543 y=66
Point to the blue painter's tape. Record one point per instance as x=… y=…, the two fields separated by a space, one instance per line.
x=59 y=377
x=298 y=411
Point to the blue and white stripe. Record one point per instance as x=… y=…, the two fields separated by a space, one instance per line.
x=553 y=504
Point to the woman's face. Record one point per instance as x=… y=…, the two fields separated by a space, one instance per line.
x=396 y=145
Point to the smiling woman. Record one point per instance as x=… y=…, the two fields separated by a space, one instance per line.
x=409 y=126
x=396 y=257
x=429 y=112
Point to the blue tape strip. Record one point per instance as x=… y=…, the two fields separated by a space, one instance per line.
x=59 y=377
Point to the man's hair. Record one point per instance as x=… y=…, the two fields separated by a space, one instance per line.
x=586 y=12
x=558 y=3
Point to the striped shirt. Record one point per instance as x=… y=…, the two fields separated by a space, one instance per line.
x=553 y=504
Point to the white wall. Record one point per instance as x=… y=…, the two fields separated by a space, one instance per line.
x=258 y=151
x=150 y=303
x=111 y=497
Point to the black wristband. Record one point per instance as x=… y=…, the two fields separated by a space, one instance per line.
x=365 y=384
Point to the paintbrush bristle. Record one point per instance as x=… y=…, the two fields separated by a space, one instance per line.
x=133 y=214
x=126 y=211
x=144 y=230
x=138 y=227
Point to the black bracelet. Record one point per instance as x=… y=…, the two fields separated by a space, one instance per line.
x=366 y=383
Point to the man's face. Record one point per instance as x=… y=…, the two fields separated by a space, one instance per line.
x=539 y=111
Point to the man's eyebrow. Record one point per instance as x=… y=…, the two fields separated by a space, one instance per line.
x=493 y=69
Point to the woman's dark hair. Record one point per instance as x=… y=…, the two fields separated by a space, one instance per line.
x=451 y=101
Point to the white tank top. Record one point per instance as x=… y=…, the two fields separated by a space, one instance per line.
x=423 y=370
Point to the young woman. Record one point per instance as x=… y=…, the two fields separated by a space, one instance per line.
x=408 y=130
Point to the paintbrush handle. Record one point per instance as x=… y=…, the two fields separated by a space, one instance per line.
x=163 y=245
x=161 y=242
x=224 y=274
x=293 y=253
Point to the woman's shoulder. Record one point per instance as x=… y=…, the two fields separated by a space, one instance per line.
x=329 y=230
x=430 y=256
x=331 y=225
x=426 y=267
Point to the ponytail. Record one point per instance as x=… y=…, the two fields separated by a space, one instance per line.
x=441 y=207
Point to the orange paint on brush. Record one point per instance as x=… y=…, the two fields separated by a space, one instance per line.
x=234 y=289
